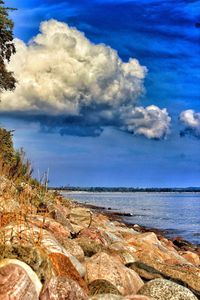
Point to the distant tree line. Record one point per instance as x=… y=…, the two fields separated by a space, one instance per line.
x=125 y=189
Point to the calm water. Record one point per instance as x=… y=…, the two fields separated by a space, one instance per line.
x=179 y=213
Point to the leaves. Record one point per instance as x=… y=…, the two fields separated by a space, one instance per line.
x=7 y=48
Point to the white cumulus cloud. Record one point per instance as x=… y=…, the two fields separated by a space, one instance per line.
x=61 y=73
x=151 y=121
x=191 y=121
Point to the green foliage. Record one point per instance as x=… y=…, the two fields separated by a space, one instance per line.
x=7 y=48
x=13 y=163
x=6 y=145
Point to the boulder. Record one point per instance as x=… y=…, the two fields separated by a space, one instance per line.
x=32 y=236
x=102 y=286
x=60 y=213
x=58 y=288
x=114 y=236
x=74 y=249
x=167 y=263
x=59 y=231
x=32 y=256
x=103 y=267
x=118 y=297
x=148 y=237
x=89 y=247
x=107 y=297
x=63 y=266
x=100 y=219
x=188 y=275
x=126 y=253
x=137 y=297
x=144 y=271
x=150 y=248
x=18 y=281
x=94 y=234
x=192 y=257
x=81 y=216
x=161 y=289
x=183 y=245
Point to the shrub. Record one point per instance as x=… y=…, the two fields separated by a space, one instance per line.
x=13 y=163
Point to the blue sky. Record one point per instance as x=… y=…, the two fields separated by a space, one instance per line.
x=164 y=37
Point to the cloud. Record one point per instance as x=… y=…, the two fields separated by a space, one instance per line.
x=70 y=84
x=151 y=121
x=60 y=71
x=191 y=121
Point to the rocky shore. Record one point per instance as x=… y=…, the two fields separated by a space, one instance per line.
x=55 y=249
x=178 y=241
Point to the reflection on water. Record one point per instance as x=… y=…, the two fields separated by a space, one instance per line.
x=179 y=213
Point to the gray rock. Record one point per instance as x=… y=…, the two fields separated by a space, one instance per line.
x=161 y=289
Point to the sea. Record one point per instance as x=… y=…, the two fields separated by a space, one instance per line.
x=177 y=213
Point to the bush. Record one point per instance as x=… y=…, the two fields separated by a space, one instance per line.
x=13 y=163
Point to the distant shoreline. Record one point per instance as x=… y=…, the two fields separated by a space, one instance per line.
x=126 y=190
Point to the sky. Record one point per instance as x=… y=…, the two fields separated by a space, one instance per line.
x=108 y=91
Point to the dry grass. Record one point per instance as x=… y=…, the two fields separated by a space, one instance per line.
x=22 y=197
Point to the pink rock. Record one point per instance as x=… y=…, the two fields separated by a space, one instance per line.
x=106 y=297
x=193 y=258
x=96 y=235
x=125 y=252
x=137 y=297
x=74 y=249
x=15 y=284
x=30 y=235
x=59 y=231
x=63 y=266
x=62 y=288
x=150 y=249
x=61 y=214
x=149 y=237
x=103 y=267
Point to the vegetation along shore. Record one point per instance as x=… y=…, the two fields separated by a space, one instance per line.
x=126 y=189
x=54 y=248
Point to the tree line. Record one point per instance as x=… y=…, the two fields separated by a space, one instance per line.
x=124 y=189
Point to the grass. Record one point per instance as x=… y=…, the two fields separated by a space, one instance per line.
x=21 y=197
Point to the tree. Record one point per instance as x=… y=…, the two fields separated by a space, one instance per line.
x=7 y=48
x=6 y=146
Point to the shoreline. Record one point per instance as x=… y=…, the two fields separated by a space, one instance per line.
x=179 y=242
x=178 y=191
x=88 y=251
x=167 y=225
